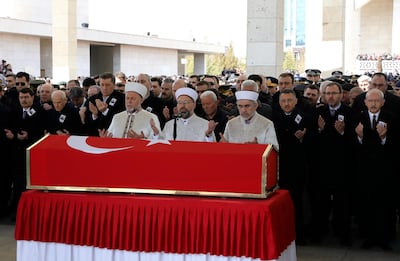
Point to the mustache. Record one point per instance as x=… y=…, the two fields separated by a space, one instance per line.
x=184 y=113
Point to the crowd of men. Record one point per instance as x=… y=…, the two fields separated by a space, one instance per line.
x=337 y=139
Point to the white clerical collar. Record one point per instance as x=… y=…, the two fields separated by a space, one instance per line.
x=133 y=112
x=186 y=121
x=249 y=120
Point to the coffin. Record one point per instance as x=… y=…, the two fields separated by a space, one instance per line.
x=81 y=163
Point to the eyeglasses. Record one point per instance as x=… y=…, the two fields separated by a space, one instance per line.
x=184 y=102
x=20 y=83
x=120 y=85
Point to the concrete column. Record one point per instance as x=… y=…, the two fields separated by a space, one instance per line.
x=199 y=63
x=395 y=27
x=64 y=40
x=117 y=58
x=314 y=35
x=181 y=63
x=351 y=43
x=265 y=36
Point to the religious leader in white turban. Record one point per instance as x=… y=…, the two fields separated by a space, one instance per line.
x=134 y=122
x=186 y=125
x=249 y=126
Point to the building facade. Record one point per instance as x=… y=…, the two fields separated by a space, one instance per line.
x=53 y=38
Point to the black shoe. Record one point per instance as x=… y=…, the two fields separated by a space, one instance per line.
x=368 y=244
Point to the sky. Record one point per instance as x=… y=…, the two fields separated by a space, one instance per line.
x=209 y=21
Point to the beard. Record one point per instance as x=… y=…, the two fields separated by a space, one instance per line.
x=185 y=114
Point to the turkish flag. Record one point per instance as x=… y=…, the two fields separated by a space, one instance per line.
x=157 y=166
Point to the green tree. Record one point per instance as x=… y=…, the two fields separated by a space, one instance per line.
x=216 y=63
x=289 y=64
x=189 y=64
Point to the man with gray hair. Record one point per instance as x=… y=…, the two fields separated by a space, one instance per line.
x=45 y=96
x=151 y=103
x=64 y=118
x=263 y=109
x=375 y=155
x=363 y=82
x=322 y=88
x=213 y=112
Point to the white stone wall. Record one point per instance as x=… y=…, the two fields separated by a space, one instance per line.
x=22 y=51
x=153 y=61
x=376 y=27
x=36 y=11
x=46 y=57
x=83 y=59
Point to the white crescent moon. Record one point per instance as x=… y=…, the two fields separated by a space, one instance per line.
x=80 y=143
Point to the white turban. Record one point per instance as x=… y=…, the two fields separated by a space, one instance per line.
x=246 y=95
x=188 y=92
x=136 y=87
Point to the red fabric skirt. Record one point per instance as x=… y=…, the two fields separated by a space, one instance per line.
x=256 y=228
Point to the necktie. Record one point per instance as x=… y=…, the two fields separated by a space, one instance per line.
x=333 y=112
x=374 y=122
x=129 y=124
x=24 y=114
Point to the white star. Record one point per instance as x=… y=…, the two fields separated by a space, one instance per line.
x=152 y=142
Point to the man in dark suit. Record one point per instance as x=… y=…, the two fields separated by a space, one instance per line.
x=336 y=137
x=391 y=105
x=28 y=127
x=286 y=81
x=375 y=180
x=168 y=100
x=63 y=117
x=11 y=99
x=151 y=103
x=378 y=81
x=6 y=147
x=211 y=111
x=292 y=129
x=102 y=106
